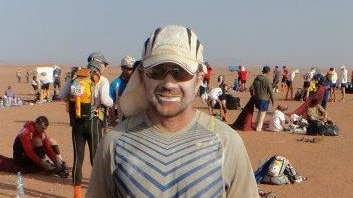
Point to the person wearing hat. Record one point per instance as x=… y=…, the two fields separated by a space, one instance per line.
x=261 y=89
x=88 y=130
x=278 y=121
x=165 y=147
x=117 y=86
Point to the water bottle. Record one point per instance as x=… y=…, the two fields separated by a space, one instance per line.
x=20 y=190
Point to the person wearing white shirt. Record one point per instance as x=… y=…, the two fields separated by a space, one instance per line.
x=344 y=80
x=278 y=121
x=216 y=96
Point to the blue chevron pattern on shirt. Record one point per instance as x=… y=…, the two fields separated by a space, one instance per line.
x=151 y=164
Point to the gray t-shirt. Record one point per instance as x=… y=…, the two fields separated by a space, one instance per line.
x=206 y=158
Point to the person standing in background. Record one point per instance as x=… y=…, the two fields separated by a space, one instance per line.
x=27 y=76
x=285 y=75
x=117 y=87
x=242 y=76
x=332 y=76
x=87 y=129
x=57 y=80
x=289 y=83
x=261 y=89
x=276 y=77
x=344 y=80
x=207 y=78
x=19 y=75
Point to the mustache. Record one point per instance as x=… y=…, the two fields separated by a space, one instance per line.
x=168 y=92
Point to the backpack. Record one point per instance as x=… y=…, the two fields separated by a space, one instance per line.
x=81 y=97
x=277 y=166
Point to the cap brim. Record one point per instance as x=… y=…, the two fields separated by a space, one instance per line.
x=189 y=65
x=133 y=100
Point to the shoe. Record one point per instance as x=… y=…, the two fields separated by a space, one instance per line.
x=63 y=174
x=77 y=191
x=62 y=170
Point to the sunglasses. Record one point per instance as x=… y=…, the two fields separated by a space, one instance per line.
x=127 y=68
x=159 y=72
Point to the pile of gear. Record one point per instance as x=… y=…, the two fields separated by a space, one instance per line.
x=278 y=171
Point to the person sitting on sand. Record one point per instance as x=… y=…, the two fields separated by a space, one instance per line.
x=315 y=111
x=32 y=145
x=278 y=121
x=9 y=92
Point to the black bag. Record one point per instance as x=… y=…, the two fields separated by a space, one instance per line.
x=298 y=95
x=318 y=128
x=232 y=102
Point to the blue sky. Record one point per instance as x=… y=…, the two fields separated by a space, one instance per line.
x=255 y=32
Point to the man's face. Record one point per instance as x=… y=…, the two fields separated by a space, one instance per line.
x=126 y=72
x=172 y=94
x=102 y=67
x=41 y=128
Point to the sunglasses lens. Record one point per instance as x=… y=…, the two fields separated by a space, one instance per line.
x=157 y=73
x=160 y=72
x=127 y=68
x=180 y=74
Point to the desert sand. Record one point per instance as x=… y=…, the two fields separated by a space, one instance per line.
x=327 y=164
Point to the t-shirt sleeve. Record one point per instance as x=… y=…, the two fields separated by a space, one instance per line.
x=104 y=94
x=101 y=183
x=237 y=171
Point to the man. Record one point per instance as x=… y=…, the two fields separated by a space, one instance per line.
x=308 y=77
x=207 y=78
x=31 y=147
x=19 y=75
x=117 y=87
x=57 y=80
x=44 y=87
x=285 y=74
x=289 y=83
x=332 y=77
x=27 y=76
x=242 y=76
x=216 y=96
x=344 y=80
x=261 y=89
x=165 y=147
x=275 y=80
x=87 y=129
